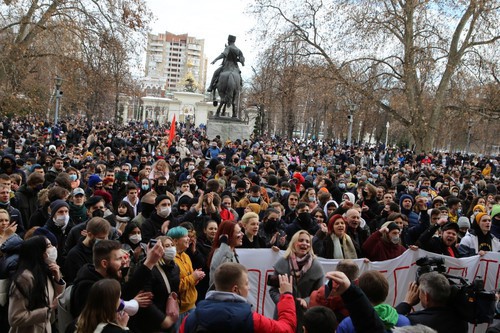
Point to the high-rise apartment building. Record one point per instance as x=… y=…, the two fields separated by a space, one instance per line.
x=171 y=60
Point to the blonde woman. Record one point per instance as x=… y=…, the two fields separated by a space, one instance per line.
x=251 y=238
x=300 y=262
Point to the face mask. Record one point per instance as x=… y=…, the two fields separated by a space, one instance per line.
x=233 y=186
x=73 y=177
x=459 y=211
x=395 y=240
x=193 y=187
x=312 y=199
x=145 y=187
x=164 y=212
x=454 y=193
x=424 y=194
x=110 y=136
x=161 y=189
x=305 y=218
x=98 y=213
x=342 y=186
x=18 y=151
x=191 y=167
x=254 y=199
x=310 y=169
x=76 y=160
x=61 y=220
x=284 y=192
x=169 y=253
x=134 y=239
x=51 y=255
x=411 y=188
x=348 y=173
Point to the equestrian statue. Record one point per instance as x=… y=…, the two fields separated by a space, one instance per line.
x=227 y=78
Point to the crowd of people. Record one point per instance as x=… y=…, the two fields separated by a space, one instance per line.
x=139 y=228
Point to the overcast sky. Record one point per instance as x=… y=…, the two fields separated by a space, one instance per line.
x=212 y=20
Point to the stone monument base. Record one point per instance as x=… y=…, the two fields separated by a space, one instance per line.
x=228 y=128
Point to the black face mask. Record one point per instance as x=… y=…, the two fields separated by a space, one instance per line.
x=98 y=213
x=161 y=189
x=192 y=187
x=304 y=218
x=271 y=224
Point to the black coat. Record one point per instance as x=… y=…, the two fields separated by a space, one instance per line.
x=434 y=244
x=442 y=319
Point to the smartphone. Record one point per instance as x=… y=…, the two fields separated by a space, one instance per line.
x=328 y=288
x=152 y=243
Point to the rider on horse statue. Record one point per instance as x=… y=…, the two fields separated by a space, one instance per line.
x=231 y=55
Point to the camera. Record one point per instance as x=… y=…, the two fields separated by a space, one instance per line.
x=427 y=265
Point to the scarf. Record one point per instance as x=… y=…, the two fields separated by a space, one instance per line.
x=299 y=266
x=387 y=314
x=343 y=248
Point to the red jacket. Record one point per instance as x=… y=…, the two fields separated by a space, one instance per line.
x=377 y=249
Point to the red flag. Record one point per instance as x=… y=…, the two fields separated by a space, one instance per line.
x=172 y=132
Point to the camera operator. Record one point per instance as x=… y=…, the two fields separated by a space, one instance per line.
x=444 y=244
x=433 y=292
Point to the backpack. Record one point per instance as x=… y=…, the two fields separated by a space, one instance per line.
x=64 y=316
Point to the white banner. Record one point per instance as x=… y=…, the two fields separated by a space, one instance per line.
x=399 y=272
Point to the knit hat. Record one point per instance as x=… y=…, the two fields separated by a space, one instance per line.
x=55 y=205
x=254 y=207
x=184 y=200
x=495 y=210
x=107 y=180
x=177 y=232
x=390 y=225
x=438 y=198
x=478 y=217
x=93 y=180
x=463 y=222
x=42 y=231
x=450 y=225
x=160 y=198
x=480 y=208
x=406 y=196
x=105 y=195
x=121 y=176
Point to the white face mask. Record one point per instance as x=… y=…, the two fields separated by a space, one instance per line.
x=164 y=212
x=134 y=239
x=61 y=220
x=51 y=255
x=169 y=253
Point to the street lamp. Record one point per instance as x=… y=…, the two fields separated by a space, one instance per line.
x=350 y=120
x=58 y=81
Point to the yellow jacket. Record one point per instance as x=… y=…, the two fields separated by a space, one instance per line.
x=187 y=285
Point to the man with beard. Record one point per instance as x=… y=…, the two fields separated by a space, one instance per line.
x=108 y=263
x=303 y=221
x=444 y=244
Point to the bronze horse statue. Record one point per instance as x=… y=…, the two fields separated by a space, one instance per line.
x=228 y=87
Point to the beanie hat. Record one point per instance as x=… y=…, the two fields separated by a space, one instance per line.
x=93 y=180
x=42 y=231
x=406 y=196
x=160 y=198
x=463 y=222
x=272 y=180
x=438 y=198
x=478 y=217
x=481 y=208
x=254 y=207
x=450 y=225
x=121 y=176
x=495 y=210
x=184 y=200
x=55 y=205
x=177 y=232
x=105 y=195
x=391 y=226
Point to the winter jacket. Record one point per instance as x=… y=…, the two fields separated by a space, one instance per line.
x=8 y=261
x=376 y=248
x=77 y=257
x=151 y=228
x=442 y=319
x=27 y=203
x=187 y=286
x=23 y=320
x=227 y=312
x=469 y=244
x=221 y=255
x=435 y=244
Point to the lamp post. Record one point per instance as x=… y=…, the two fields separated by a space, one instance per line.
x=386 y=133
x=350 y=120
x=58 y=81
x=469 y=129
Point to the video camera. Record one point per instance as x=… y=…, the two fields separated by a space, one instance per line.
x=470 y=300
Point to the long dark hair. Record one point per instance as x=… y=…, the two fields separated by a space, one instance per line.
x=31 y=258
x=100 y=307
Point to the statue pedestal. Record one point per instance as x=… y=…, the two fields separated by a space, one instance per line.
x=228 y=128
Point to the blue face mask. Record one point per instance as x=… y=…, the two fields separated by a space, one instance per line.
x=342 y=185
x=310 y=169
x=73 y=177
x=145 y=187
x=254 y=199
x=424 y=194
x=348 y=173
x=284 y=192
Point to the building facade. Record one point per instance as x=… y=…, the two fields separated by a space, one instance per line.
x=174 y=63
